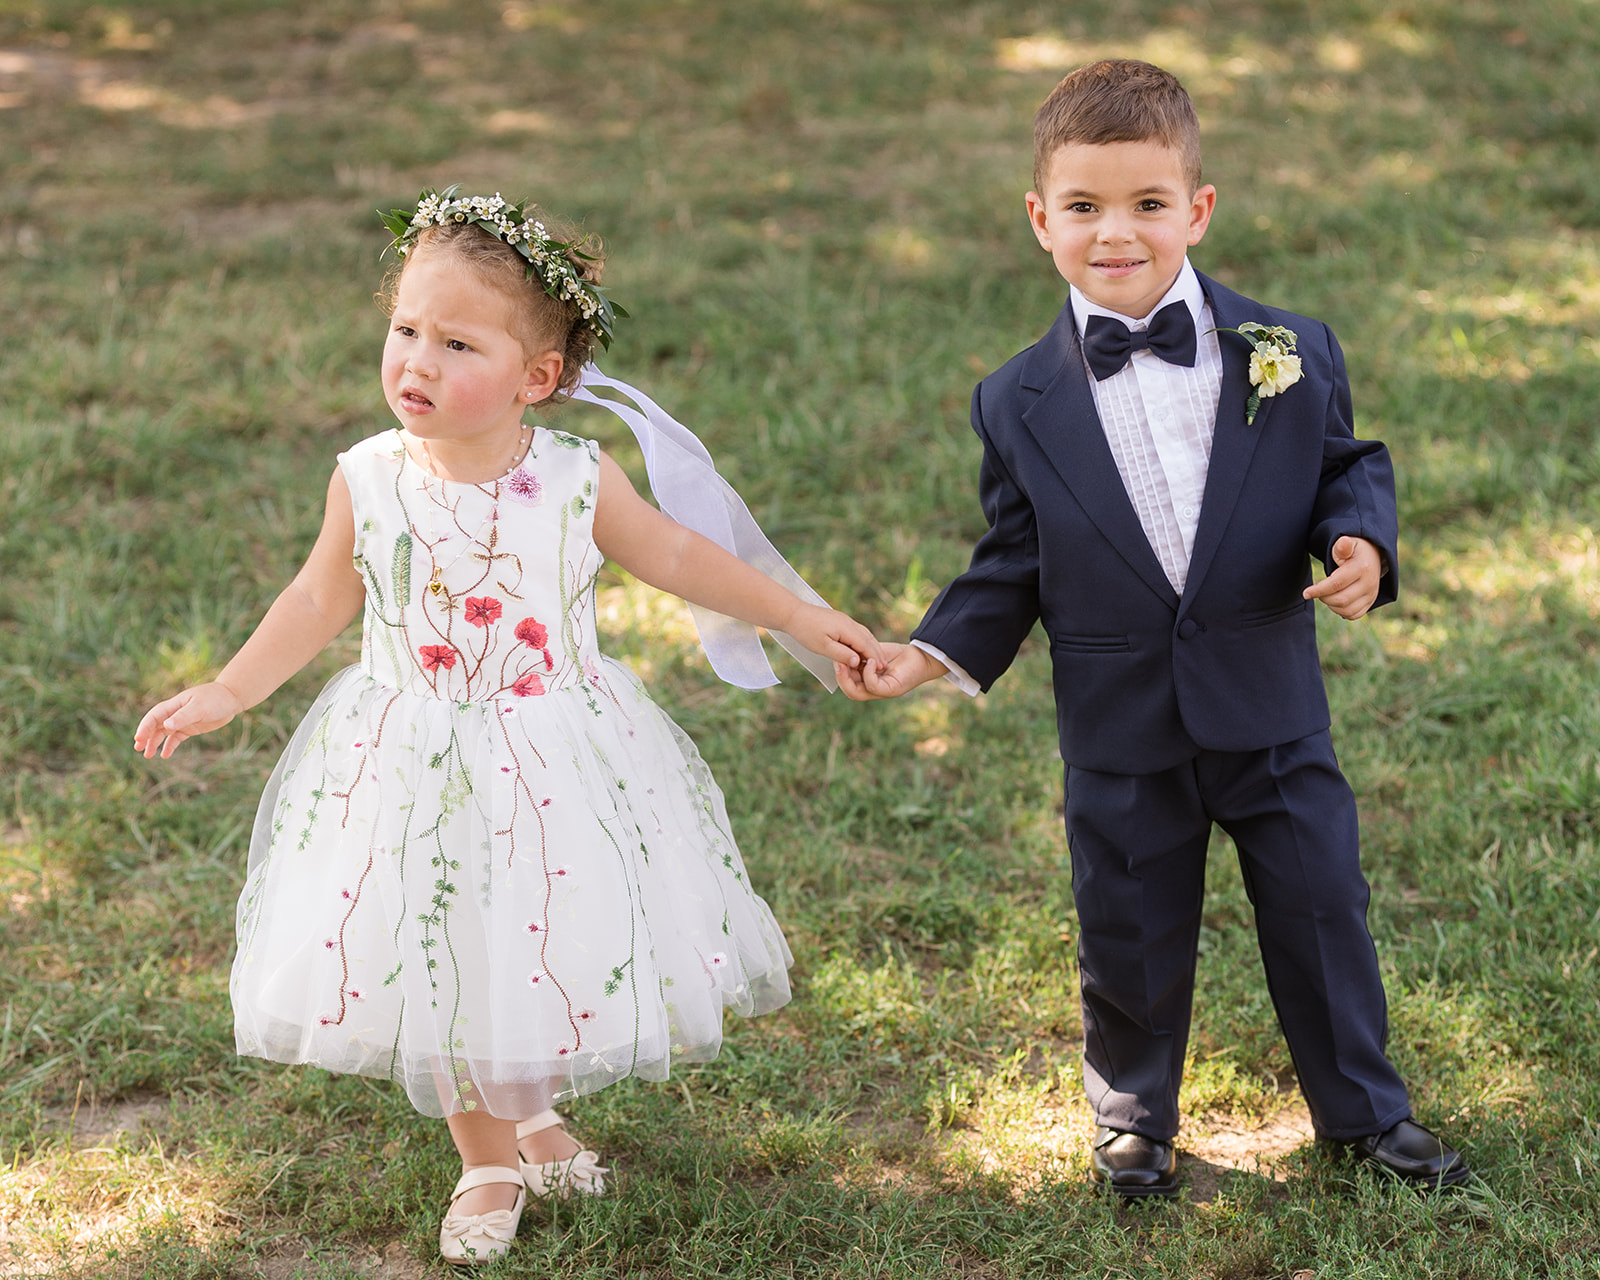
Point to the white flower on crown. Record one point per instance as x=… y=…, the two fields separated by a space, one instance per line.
x=547 y=258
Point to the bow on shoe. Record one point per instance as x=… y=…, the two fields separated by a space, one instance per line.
x=466 y=1239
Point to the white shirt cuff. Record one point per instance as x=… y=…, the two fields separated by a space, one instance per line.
x=953 y=672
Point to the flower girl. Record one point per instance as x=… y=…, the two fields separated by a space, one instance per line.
x=487 y=865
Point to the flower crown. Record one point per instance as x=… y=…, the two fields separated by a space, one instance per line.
x=546 y=257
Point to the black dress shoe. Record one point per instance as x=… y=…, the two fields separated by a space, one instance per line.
x=1134 y=1165
x=1415 y=1154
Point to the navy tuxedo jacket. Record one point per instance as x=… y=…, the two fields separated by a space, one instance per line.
x=1144 y=678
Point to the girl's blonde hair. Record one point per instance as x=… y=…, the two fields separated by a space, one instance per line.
x=538 y=321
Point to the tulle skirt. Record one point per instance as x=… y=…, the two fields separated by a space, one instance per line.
x=499 y=904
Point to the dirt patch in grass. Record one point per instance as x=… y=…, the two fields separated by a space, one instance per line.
x=1210 y=1147
x=295 y=1259
x=89 y=1124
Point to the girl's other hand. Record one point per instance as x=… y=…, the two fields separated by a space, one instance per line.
x=194 y=711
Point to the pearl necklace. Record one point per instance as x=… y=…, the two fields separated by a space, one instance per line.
x=436 y=578
x=517 y=455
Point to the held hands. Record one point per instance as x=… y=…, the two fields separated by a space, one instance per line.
x=832 y=634
x=194 y=711
x=902 y=669
x=1353 y=585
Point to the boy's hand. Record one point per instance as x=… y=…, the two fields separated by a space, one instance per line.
x=194 y=711
x=903 y=668
x=1352 y=587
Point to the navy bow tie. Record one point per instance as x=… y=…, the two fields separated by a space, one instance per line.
x=1108 y=343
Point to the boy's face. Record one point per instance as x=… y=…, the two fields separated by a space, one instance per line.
x=1118 y=218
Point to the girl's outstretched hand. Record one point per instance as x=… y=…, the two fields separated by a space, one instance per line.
x=832 y=634
x=194 y=711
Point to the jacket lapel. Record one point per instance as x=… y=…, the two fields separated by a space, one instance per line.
x=1064 y=422
x=1233 y=443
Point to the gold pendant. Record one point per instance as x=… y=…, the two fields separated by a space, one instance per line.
x=436 y=583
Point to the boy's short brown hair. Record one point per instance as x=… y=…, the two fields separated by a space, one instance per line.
x=1117 y=100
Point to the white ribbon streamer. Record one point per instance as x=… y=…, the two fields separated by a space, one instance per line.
x=687 y=487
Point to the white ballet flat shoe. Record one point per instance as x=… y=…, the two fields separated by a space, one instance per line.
x=466 y=1239
x=581 y=1174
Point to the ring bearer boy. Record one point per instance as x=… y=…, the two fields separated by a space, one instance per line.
x=1157 y=472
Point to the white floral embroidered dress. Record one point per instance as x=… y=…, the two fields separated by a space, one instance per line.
x=488 y=866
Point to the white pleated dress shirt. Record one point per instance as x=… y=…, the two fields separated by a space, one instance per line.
x=1158 y=419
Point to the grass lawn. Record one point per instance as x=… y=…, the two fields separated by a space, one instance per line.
x=815 y=215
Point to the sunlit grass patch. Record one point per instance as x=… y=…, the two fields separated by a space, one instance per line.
x=1023 y=1124
x=1509 y=577
x=74 y=1201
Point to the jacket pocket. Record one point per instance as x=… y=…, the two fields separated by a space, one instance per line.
x=1269 y=616
x=1092 y=644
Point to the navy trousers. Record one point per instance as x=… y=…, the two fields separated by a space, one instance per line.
x=1138 y=847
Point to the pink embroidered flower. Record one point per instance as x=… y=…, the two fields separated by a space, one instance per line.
x=562 y=871
x=326 y=1020
x=592 y=672
x=328 y=944
x=532 y=634
x=524 y=487
x=719 y=959
x=562 y=1050
x=534 y=926
x=356 y=994
x=480 y=611
x=435 y=656
x=547 y=802
x=537 y=977
x=347 y=895
x=585 y=1015
x=528 y=686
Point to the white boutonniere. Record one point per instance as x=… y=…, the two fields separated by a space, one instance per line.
x=1274 y=367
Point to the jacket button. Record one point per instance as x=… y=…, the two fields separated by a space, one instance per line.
x=1188 y=629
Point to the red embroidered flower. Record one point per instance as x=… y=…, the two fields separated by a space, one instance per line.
x=482 y=610
x=532 y=633
x=435 y=656
x=528 y=686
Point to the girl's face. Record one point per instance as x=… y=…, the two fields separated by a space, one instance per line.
x=452 y=369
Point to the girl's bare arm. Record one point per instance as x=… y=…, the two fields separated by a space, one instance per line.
x=321 y=602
